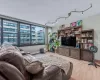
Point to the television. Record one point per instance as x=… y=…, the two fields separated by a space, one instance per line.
x=68 y=41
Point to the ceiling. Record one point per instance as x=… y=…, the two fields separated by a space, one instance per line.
x=42 y=11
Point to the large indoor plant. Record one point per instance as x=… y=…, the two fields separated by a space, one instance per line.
x=53 y=42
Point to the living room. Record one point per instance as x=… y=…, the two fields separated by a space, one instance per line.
x=49 y=40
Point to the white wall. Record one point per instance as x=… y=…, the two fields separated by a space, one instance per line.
x=92 y=22
x=32 y=49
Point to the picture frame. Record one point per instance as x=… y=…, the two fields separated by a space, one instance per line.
x=73 y=24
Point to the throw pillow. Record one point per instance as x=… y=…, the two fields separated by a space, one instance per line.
x=34 y=67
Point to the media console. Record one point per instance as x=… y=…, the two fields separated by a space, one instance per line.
x=76 y=53
x=69 y=52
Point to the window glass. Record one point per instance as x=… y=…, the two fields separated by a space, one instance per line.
x=39 y=35
x=50 y=32
x=10 y=32
x=0 y=31
x=33 y=34
x=24 y=34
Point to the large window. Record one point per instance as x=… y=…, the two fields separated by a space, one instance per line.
x=20 y=34
x=39 y=35
x=24 y=34
x=10 y=32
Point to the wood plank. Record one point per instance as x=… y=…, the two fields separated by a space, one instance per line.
x=83 y=71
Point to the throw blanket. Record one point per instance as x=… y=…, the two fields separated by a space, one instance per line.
x=49 y=59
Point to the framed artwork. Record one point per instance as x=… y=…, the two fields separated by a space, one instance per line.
x=79 y=23
x=73 y=24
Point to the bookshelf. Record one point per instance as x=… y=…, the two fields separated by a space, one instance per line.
x=87 y=39
x=69 y=31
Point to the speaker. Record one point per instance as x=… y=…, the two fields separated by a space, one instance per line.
x=41 y=50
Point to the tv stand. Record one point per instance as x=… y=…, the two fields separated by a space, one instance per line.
x=69 y=52
x=76 y=53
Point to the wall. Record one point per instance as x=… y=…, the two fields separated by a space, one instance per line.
x=92 y=22
x=32 y=49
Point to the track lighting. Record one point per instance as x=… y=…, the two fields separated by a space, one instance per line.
x=69 y=14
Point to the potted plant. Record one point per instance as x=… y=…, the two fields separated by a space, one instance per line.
x=54 y=42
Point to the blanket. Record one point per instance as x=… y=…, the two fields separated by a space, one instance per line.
x=49 y=59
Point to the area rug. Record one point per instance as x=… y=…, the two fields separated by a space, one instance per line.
x=52 y=59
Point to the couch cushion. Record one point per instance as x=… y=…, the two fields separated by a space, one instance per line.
x=10 y=71
x=16 y=60
x=2 y=78
x=48 y=73
x=34 y=67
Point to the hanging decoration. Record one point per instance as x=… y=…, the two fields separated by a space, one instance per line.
x=69 y=14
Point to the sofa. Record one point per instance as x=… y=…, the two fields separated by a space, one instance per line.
x=12 y=67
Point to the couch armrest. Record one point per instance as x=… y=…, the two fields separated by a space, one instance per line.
x=67 y=76
x=10 y=72
x=47 y=73
x=70 y=71
x=2 y=78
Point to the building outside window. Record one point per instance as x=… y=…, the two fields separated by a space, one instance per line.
x=40 y=35
x=27 y=32
x=0 y=31
x=33 y=34
x=10 y=32
x=24 y=34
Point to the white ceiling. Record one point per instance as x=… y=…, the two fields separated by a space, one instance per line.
x=42 y=11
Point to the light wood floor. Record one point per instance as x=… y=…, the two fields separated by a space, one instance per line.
x=83 y=71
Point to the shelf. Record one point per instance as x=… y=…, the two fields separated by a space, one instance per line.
x=86 y=37
x=78 y=34
x=68 y=28
x=84 y=31
x=77 y=27
x=86 y=43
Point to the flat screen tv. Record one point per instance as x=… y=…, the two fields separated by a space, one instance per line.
x=68 y=41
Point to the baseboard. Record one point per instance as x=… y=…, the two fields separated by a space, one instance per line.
x=97 y=61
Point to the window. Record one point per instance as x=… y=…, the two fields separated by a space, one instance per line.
x=40 y=35
x=28 y=34
x=0 y=31
x=24 y=34
x=10 y=32
x=33 y=34
x=50 y=32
